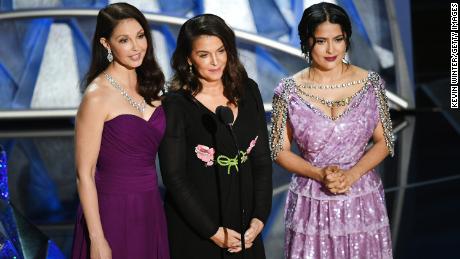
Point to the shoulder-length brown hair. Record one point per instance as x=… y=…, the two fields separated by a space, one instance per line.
x=234 y=75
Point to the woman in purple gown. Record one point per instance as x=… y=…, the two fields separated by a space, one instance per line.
x=335 y=205
x=119 y=126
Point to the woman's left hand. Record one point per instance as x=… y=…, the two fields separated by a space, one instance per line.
x=255 y=227
x=349 y=178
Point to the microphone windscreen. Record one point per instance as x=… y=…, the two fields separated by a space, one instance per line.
x=225 y=114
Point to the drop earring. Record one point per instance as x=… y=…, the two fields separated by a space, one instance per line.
x=109 y=56
x=307 y=57
x=344 y=59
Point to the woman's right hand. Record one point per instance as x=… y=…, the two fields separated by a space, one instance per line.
x=100 y=249
x=333 y=179
x=226 y=237
x=329 y=174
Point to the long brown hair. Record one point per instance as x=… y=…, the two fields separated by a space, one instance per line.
x=150 y=78
x=234 y=75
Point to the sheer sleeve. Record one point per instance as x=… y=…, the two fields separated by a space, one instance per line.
x=261 y=163
x=172 y=155
x=279 y=117
x=384 y=110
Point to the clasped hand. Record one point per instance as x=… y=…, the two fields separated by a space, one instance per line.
x=336 y=180
x=228 y=238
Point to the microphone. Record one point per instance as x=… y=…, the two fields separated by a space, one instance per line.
x=225 y=115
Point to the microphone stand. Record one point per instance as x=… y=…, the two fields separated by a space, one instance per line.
x=241 y=192
x=226 y=116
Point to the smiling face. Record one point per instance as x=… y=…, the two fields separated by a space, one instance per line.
x=330 y=46
x=208 y=58
x=128 y=43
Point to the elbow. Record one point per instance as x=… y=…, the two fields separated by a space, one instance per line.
x=85 y=175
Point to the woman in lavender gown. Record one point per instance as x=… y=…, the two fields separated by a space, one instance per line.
x=335 y=206
x=119 y=126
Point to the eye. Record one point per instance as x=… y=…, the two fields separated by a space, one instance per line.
x=202 y=55
x=140 y=36
x=123 y=40
x=221 y=50
x=320 y=41
x=339 y=39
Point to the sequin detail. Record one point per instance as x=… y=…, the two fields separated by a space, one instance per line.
x=320 y=224
x=384 y=111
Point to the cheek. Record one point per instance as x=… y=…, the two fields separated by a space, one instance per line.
x=120 y=50
x=342 y=46
x=200 y=64
x=317 y=50
x=143 y=43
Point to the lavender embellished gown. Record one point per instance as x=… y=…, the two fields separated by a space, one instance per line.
x=318 y=223
x=130 y=205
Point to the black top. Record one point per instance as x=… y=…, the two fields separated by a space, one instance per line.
x=202 y=189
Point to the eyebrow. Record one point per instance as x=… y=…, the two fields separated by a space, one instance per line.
x=205 y=51
x=335 y=37
x=125 y=35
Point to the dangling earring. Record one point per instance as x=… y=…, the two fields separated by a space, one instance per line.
x=344 y=59
x=307 y=57
x=190 y=68
x=109 y=56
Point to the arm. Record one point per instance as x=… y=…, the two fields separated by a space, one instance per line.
x=382 y=137
x=372 y=157
x=88 y=130
x=281 y=138
x=370 y=160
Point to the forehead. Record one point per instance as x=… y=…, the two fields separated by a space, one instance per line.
x=206 y=43
x=127 y=27
x=327 y=29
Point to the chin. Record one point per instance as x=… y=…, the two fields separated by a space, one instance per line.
x=132 y=64
x=328 y=66
x=212 y=78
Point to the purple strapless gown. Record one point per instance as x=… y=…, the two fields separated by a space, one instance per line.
x=320 y=224
x=130 y=205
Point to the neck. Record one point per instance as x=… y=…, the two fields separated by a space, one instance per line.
x=126 y=77
x=323 y=76
x=212 y=88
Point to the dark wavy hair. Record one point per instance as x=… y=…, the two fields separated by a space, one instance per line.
x=316 y=14
x=150 y=78
x=234 y=75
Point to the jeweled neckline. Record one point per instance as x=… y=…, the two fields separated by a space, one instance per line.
x=353 y=103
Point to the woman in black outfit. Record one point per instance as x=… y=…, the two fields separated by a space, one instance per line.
x=198 y=157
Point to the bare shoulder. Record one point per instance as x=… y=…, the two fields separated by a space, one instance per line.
x=300 y=75
x=96 y=99
x=357 y=72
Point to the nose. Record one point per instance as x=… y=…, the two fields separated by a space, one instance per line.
x=329 y=47
x=134 y=45
x=214 y=59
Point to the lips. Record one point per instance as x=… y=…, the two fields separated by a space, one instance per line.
x=214 y=70
x=135 y=57
x=330 y=59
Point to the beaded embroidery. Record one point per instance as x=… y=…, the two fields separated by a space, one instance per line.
x=279 y=117
x=384 y=111
x=280 y=111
